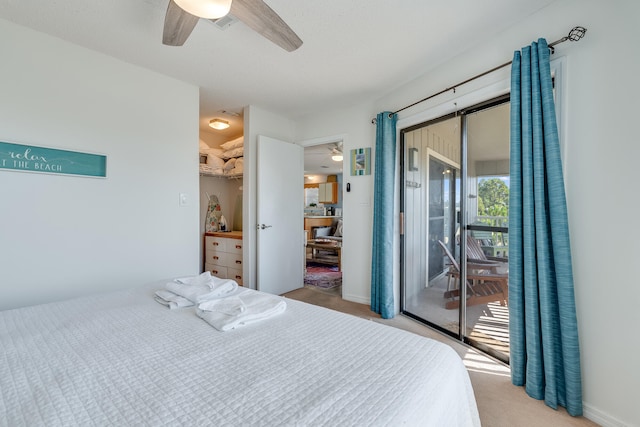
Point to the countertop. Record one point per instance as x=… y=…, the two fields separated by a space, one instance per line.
x=226 y=234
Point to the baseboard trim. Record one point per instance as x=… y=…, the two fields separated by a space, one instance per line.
x=599 y=417
x=355 y=298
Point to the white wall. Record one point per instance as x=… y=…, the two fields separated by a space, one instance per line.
x=63 y=236
x=355 y=126
x=600 y=161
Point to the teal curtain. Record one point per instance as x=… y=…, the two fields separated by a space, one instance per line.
x=383 y=202
x=545 y=355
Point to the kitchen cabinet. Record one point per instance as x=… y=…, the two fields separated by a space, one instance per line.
x=328 y=192
x=223 y=255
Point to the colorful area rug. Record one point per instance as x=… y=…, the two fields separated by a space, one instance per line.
x=323 y=276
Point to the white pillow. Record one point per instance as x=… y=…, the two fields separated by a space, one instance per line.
x=234 y=143
x=215 y=151
x=230 y=164
x=214 y=161
x=236 y=152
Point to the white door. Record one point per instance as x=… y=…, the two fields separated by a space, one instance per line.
x=280 y=211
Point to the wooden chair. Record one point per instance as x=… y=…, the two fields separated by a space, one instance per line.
x=487 y=244
x=484 y=285
x=476 y=255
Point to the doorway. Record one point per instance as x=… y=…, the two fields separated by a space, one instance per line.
x=454 y=246
x=323 y=208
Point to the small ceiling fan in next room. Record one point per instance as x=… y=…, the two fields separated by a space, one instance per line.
x=183 y=15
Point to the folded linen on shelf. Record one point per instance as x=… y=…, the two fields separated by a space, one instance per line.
x=171 y=300
x=236 y=152
x=214 y=161
x=215 y=151
x=239 y=166
x=206 y=169
x=244 y=308
x=234 y=143
x=202 y=288
x=229 y=164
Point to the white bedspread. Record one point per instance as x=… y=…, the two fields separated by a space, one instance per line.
x=122 y=359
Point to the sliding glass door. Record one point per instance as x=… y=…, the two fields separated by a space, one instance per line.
x=487 y=227
x=431 y=200
x=455 y=179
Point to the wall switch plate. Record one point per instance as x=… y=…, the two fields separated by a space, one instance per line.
x=184 y=199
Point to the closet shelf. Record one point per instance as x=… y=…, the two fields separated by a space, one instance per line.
x=217 y=175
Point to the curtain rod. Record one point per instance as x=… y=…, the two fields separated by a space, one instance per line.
x=574 y=35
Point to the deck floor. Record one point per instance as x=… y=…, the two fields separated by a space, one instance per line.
x=488 y=324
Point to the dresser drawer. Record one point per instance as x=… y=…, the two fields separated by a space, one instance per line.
x=215 y=243
x=223 y=259
x=234 y=261
x=235 y=274
x=216 y=270
x=214 y=256
x=234 y=246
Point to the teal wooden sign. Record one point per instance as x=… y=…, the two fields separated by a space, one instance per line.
x=29 y=158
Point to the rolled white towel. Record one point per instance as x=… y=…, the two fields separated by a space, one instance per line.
x=202 y=288
x=172 y=300
x=253 y=306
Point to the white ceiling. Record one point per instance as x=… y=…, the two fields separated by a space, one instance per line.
x=353 y=50
x=318 y=161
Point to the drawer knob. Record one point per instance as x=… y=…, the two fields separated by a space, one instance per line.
x=216 y=257
x=238 y=246
x=238 y=261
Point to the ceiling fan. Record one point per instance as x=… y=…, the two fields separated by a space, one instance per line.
x=183 y=15
x=333 y=151
x=336 y=153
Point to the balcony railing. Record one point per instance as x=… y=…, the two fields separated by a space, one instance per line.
x=493 y=234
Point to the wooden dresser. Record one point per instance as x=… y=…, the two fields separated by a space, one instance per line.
x=223 y=255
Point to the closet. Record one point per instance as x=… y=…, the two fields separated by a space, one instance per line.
x=221 y=175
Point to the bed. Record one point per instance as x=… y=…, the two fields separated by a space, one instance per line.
x=123 y=359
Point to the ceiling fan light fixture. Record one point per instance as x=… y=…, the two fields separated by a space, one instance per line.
x=337 y=157
x=208 y=9
x=218 y=124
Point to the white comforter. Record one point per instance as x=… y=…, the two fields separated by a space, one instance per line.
x=122 y=359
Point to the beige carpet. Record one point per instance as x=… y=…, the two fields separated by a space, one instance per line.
x=499 y=402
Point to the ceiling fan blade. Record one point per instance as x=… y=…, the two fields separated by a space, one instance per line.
x=178 y=25
x=258 y=16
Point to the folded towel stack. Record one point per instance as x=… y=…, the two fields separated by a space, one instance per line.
x=241 y=309
x=172 y=300
x=195 y=290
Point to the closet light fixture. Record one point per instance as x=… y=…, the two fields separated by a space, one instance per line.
x=337 y=157
x=208 y=9
x=218 y=124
